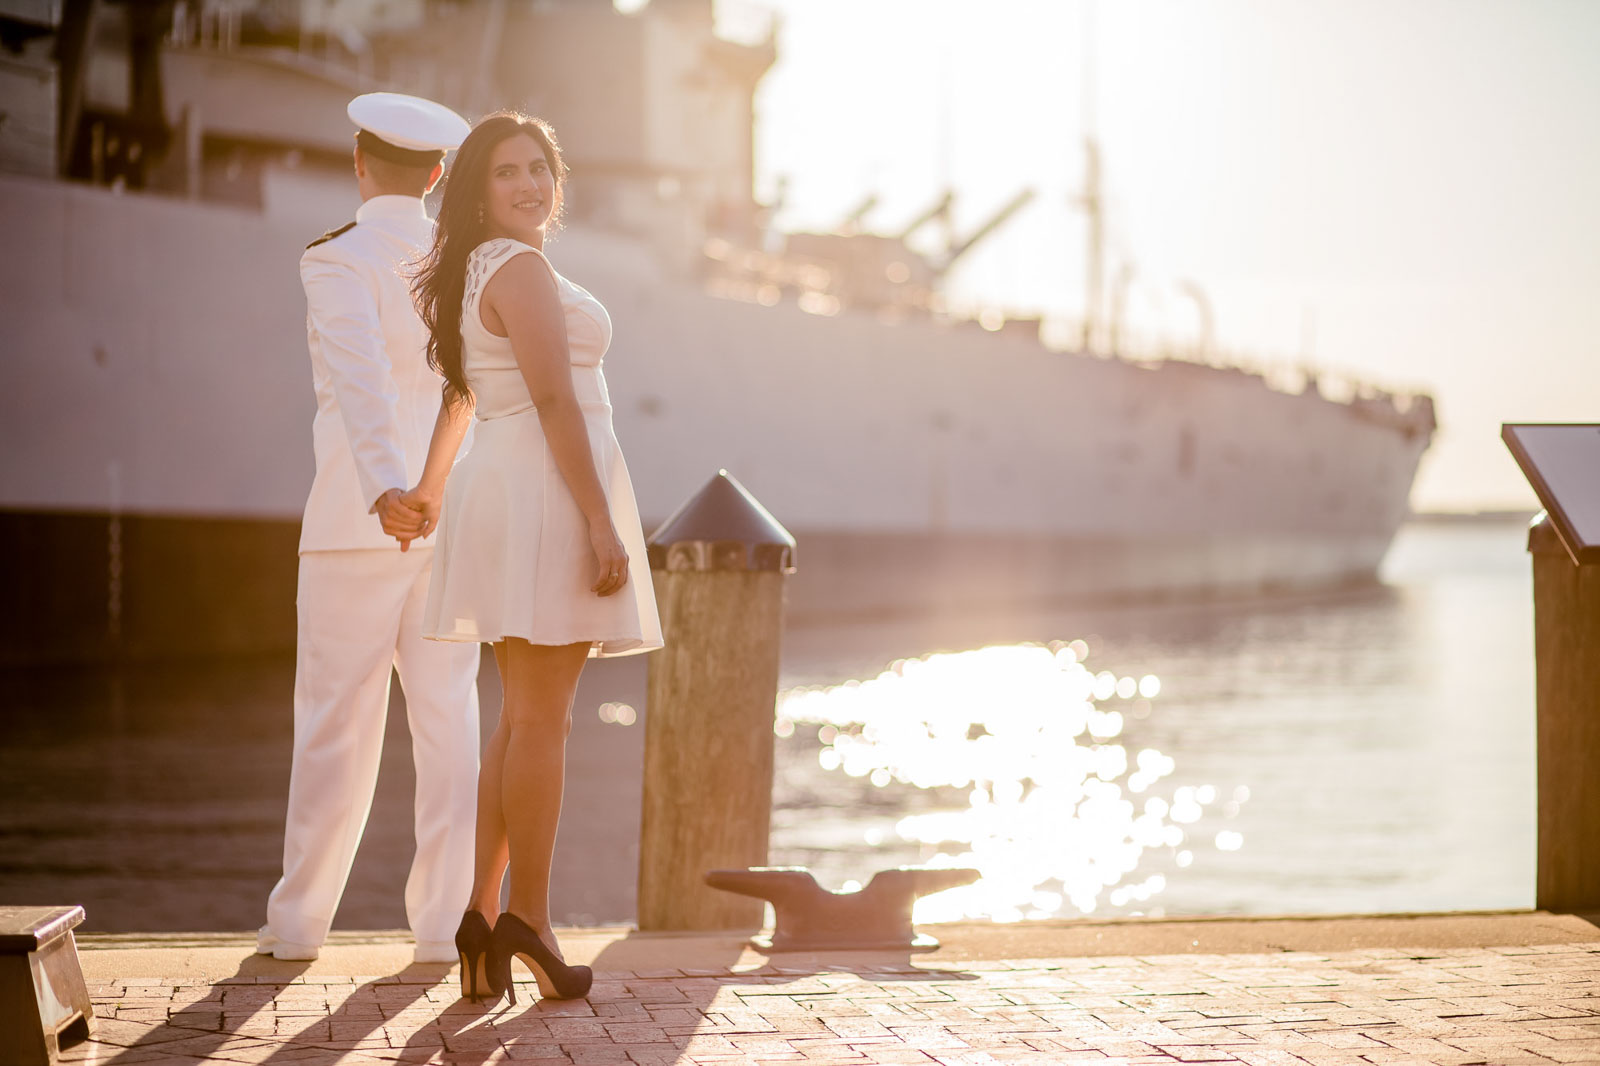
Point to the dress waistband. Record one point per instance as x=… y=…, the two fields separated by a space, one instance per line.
x=588 y=407
x=588 y=384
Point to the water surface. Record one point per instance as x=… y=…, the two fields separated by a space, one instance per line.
x=1367 y=751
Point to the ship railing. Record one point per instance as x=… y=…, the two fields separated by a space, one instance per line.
x=342 y=51
x=751 y=275
x=1340 y=384
x=214 y=25
x=1409 y=408
x=754 y=276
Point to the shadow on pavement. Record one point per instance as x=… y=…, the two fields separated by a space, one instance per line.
x=643 y=992
x=359 y=1022
x=224 y=1018
x=669 y=997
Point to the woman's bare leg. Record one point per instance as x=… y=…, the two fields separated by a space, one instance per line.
x=540 y=682
x=490 y=850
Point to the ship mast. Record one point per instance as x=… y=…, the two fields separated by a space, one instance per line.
x=1091 y=203
x=1090 y=199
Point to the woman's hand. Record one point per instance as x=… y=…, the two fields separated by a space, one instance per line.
x=398 y=520
x=426 y=505
x=611 y=560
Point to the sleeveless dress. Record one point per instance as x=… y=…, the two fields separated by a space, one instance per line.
x=512 y=555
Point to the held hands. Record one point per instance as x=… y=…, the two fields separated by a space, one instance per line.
x=611 y=560
x=426 y=504
x=406 y=516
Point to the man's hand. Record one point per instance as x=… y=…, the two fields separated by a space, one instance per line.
x=400 y=521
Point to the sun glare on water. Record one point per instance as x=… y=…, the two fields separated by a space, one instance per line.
x=1060 y=816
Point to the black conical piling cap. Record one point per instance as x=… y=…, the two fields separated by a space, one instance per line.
x=722 y=527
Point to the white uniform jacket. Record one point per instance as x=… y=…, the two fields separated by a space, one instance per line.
x=376 y=397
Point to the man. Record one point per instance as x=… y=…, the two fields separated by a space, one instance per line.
x=360 y=597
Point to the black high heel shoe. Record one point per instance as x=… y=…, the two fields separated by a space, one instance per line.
x=475 y=943
x=557 y=980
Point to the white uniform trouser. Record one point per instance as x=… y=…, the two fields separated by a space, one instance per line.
x=360 y=613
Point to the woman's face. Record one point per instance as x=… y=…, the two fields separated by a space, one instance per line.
x=521 y=198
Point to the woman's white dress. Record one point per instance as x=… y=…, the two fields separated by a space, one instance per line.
x=512 y=555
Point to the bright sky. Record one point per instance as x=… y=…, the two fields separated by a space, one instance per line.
x=1407 y=189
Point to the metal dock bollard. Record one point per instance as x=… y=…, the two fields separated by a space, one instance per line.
x=807 y=917
x=718 y=564
x=1559 y=461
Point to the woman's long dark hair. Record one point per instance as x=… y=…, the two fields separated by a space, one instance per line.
x=440 y=282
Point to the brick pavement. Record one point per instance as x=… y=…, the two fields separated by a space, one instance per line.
x=1536 y=1004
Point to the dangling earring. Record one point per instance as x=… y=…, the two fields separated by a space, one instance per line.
x=480 y=214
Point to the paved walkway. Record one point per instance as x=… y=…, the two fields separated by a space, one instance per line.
x=1445 y=989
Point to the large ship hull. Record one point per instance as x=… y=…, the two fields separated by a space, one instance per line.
x=159 y=421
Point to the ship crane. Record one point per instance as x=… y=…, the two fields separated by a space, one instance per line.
x=998 y=219
x=871 y=270
x=939 y=210
x=851 y=223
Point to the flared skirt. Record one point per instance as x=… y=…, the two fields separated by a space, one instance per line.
x=512 y=555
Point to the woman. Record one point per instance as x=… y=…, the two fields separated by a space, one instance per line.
x=540 y=551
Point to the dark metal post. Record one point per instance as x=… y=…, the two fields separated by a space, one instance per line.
x=718 y=565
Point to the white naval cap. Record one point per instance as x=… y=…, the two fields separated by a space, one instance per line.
x=406 y=129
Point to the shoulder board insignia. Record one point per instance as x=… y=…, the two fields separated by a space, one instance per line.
x=331 y=234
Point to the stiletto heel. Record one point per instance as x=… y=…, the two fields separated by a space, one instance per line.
x=557 y=980
x=474 y=944
x=501 y=964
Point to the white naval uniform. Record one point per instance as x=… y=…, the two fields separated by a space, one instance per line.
x=360 y=599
